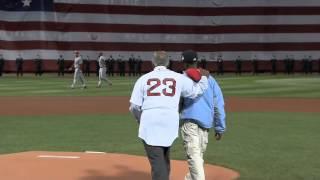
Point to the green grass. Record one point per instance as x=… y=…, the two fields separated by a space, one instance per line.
x=258 y=145
x=300 y=86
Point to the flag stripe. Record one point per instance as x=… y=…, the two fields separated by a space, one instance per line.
x=172 y=29
x=157 y=37
x=106 y=46
x=199 y=3
x=88 y=18
x=184 y=11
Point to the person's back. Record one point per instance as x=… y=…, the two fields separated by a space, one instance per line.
x=202 y=110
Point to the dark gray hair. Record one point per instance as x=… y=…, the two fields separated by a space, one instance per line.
x=160 y=58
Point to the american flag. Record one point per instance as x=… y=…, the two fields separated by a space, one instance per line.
x=230 y=28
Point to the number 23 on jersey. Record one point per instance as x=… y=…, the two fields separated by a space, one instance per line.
x=155 y=84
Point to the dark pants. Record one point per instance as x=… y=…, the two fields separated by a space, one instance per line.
x=1 y=69
x=159 y=158
x=19 y=71
x=61 y=71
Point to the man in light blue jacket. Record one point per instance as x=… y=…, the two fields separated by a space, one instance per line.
x=198 y=116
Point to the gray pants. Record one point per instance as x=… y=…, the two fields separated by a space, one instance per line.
x=159 y=158
x=78 y=77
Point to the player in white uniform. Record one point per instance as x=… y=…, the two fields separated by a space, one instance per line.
x=103 y=70
x=154 y=103
x=78 y=75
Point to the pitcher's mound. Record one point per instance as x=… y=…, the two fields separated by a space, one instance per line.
x=92 y=166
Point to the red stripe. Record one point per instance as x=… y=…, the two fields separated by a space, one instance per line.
x=172 y=29
x=184 y=11
x=105 y=46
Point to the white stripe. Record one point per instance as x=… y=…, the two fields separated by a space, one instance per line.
x=157 y=20
x=157 y=38
x=199 y=3
x=94 y=152
x=147 y=55
x=58 y=157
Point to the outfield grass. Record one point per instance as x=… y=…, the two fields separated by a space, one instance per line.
x=258 y=145
x=247 y=85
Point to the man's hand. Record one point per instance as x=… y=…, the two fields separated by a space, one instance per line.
x=218 y=136
x=204 y=72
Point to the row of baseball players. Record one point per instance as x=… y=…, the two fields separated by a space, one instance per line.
x=155 y=105
x=79 y=77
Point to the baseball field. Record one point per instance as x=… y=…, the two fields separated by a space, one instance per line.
x=273 y=122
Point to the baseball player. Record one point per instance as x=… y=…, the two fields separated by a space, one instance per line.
x=78 y=75
x=154 y=103
x=103 y=71
x=198 y=116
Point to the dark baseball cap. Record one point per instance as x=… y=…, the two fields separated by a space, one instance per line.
x=189 y=56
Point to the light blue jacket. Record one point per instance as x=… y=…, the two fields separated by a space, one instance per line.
x=208 y=110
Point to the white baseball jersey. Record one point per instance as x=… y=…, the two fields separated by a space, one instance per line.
x=158 y=94
x=77 y=62
x=102 y=61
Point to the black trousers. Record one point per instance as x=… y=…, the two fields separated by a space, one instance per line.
x=159 y=158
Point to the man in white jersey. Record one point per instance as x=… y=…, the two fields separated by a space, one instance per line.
x=78 y=75
x=154 y=103
x=103 y=70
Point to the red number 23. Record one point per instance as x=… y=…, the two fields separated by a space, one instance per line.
x=170 y=90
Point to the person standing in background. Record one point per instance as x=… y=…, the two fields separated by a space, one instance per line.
x=255 y=65
x=19 y=65
x=139 y=65
x=110 y=66
x=273 y=64
x=305 y=65
x=60 y=63
x=203 y=62
x=1 y=64
x=123 y=66
x=220 y=65
x=86 y=63
x=310 y=65
x=238 y=64
x=319 y=65
x=287 y=64
x=291 y=64
x=131 y=63
x=38 y=65
x=118 y=61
